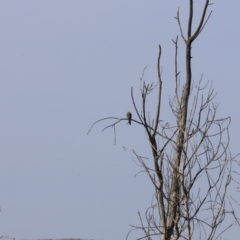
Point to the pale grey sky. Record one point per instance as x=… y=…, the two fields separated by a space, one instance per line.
x=65 y=64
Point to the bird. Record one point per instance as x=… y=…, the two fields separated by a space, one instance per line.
x=129 y=117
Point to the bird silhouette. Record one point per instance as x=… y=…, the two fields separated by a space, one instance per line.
x=129 y=117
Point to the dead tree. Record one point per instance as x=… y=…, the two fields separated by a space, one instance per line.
x=192 y=164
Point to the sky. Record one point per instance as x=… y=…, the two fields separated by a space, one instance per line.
x=65 y=65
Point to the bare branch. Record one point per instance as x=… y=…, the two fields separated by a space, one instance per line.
x=159 y=94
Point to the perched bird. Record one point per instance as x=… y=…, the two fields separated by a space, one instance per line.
x=129 y=117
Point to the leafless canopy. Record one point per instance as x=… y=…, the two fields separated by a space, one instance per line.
x=192 y=165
